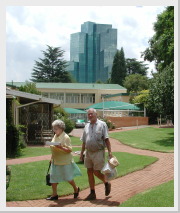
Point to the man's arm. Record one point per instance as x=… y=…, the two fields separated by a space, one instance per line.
x=108 y=145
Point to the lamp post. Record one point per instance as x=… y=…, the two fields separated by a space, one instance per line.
x=103 y=106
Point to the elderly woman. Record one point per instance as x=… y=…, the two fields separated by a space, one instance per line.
x=63 y=167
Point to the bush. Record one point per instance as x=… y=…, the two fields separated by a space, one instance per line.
x=12 y=141
x=22 y=140
x=69 y=125
x=8 y=176
x=110 y=125
x=59 y=113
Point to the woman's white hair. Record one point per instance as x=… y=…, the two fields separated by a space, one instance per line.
x=59 y=123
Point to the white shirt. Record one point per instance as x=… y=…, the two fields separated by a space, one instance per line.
x=94 y=135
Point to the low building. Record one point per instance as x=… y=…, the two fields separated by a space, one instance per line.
x=78 y=95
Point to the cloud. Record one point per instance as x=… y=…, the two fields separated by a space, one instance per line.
x=30 y=29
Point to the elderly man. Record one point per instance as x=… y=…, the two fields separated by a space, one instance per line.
x=95 y=138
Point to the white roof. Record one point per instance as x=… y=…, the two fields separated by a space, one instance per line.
x=31 y=96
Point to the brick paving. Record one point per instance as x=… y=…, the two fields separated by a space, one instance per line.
x=122 y=188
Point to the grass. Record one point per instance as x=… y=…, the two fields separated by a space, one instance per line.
x=159 y=196
x=28 y=180
x=75 y=141
x=39 y=151
x=155 y=139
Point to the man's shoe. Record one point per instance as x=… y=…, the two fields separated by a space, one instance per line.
x=107 y=189
x=91 y=196
x=76 y=193
x=52 y=198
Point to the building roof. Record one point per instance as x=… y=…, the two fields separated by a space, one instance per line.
x=31 y=96
x=116 y=95
x=114 y=105
x=50 y=85
x=74 y=111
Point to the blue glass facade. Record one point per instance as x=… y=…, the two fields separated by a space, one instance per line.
x=92 y=52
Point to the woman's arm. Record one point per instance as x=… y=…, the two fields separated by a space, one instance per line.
x=65 y=149
x=66 y=146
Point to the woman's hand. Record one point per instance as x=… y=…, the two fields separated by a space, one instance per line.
x=59 y=146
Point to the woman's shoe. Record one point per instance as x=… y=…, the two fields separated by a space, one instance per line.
x=52 y=198
x=76 y=193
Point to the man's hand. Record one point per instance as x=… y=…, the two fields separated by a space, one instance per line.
x=81 y=157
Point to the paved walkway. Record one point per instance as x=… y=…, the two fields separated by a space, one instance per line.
x=122 y=188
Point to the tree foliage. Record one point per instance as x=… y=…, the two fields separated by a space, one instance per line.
x=161 y=92
x=161 y=49
x=135 y=83
x=52 y=68
x=29 y=87
x=118 y=73
x=135 y=67
x=142 y=98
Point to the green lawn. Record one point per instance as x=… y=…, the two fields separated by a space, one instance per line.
x=159 y=196
x=28 y=180
x=75 y=141
x=39 y=151
x=156 y=139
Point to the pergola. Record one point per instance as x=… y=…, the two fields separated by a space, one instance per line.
x=33 y=111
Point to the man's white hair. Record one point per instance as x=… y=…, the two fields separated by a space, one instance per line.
x=92 y=109
x=59 y=123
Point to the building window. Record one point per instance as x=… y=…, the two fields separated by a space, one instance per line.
x=87 y=98
x=72 y=98
x=57 y=96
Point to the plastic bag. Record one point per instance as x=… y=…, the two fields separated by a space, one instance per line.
x=107 y=168
x=109 y=172
x=112 y=175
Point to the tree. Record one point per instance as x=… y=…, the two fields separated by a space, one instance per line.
x=29 y=87
x=52 y=68
x=135 y=83
x=161 y=48
x=118 y=73
x=161 y=93
x=135 y=67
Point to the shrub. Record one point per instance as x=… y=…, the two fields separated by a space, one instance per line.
x=110 y=125
x=12 y=141
x=22 y=140
x=69 y=125
x=8 y=176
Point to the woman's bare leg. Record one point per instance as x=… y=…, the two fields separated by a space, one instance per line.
x=54 y=188
x=73 y=185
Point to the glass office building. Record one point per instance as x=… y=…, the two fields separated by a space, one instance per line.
x=92 y=52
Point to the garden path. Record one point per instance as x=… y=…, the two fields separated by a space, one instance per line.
x=122 y=188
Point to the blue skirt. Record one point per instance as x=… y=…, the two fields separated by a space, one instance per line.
x=60 y=173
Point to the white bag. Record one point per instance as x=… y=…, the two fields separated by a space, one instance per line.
x=107 y=168
x=112 y=175
x=109 y=172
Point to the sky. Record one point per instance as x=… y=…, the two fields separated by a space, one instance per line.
x=30 y=28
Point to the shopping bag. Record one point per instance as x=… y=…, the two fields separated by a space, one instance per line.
x=112 y=175
x=109 y=172
x=107 y=168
